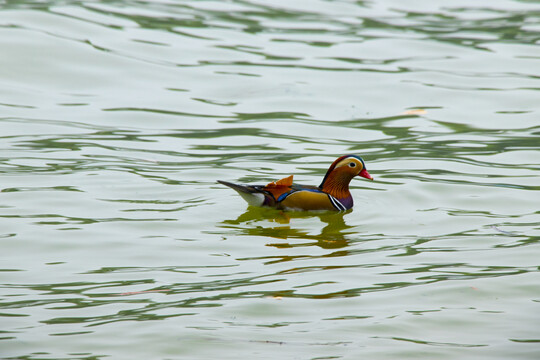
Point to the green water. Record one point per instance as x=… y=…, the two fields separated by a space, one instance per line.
x=118 y=117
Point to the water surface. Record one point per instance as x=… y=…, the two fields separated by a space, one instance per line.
x=118 y=117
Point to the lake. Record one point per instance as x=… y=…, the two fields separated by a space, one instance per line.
x=118 y=117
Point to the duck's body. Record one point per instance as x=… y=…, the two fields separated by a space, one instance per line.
x=332 y=194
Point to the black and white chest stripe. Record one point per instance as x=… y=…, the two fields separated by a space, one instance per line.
x=337 y=204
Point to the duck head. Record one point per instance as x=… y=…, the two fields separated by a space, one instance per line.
x=341 y=172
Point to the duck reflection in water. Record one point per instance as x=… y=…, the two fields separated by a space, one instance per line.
x=332 y=236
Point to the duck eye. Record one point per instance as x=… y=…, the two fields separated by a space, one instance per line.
x=351 y=164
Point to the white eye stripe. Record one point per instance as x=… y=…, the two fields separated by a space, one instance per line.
x=350 y=160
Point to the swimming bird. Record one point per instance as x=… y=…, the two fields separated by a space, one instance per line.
x=332 y=194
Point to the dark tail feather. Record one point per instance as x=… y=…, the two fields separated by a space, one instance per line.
x=241 y=188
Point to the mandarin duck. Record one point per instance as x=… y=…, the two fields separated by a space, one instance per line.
x=332 y=194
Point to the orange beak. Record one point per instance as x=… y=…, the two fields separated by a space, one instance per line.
x=365 y=174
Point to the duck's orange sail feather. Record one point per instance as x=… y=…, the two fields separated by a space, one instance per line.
x=280 y=187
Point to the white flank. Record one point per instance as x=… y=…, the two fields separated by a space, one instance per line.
x=253 y=199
